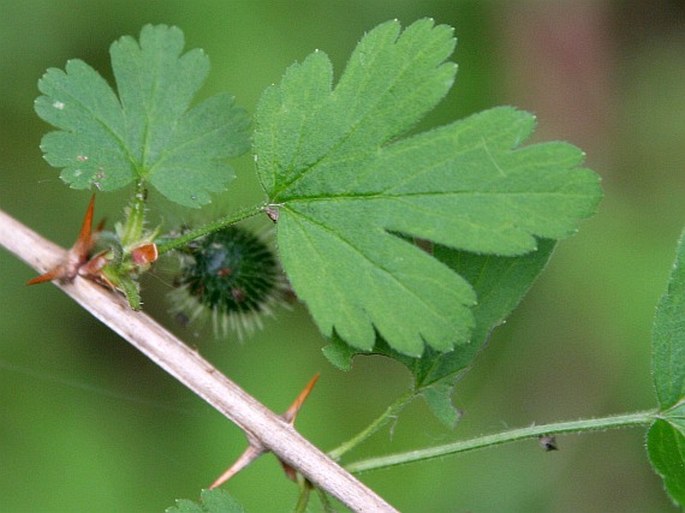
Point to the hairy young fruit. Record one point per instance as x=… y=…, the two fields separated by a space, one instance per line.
x=232 y=276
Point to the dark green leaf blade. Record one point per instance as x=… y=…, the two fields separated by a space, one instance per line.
x=668 y=336
x=148 y=132
x=500 y=284
x=666 y=448
x=346 y=188
x=211 y=501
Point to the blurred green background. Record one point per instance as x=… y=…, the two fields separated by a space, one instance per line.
x=88 y=424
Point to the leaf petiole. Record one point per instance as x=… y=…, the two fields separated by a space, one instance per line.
x=132 y=230
x=165 y=245
x=642 y=418
x=303 y=498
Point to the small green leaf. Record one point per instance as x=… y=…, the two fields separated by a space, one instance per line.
x=212 y=501
x=347 y=186
x=147 y=132
x=666 y=447
x=668 y=336
x=340 y=354
x=438 y=397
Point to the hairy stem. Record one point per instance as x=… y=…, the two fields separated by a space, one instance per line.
x=389 y=414
x=641 y=418
x=218 y=224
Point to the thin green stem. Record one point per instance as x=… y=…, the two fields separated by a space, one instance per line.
x=303 y=499
x=325 y=502
x=389 y=414
x=577 y=426
x=218 y=224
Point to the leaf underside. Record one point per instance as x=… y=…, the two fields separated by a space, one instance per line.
x=148 y=131
x=352 y=194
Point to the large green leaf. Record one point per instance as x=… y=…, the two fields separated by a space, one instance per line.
x=666 y=447
x=350 y=193
x=668 y=336
x=147 y=132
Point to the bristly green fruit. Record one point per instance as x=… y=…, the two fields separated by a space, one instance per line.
x=232 y=276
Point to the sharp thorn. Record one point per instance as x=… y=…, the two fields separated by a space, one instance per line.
x=247 y=457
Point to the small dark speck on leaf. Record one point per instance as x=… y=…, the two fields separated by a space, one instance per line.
x=272 y=213
x=548 y=443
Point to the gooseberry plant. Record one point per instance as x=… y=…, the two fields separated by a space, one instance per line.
x=410 y=245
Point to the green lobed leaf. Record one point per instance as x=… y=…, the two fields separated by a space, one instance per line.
x=438 y=397
x=211 y=501
x=666 y=448
x=668 y=336
x=346 y=186
x=148 y=131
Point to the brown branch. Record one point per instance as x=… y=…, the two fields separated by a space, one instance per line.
x=188 y=367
